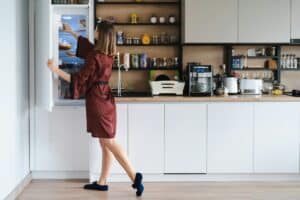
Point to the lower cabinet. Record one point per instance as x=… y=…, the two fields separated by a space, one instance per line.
x=276 y=143
x=185 y=138
x=207 y=138
x=146 y=137
x=230 y=138
x=121 y=138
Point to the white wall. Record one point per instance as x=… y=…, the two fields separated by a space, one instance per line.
x=14 y=135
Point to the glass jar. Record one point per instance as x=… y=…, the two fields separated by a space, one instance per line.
x=155 y=39
x=128 y=40
x=173 y=39
x=136 y=40
x=120 y=38
x=164 y=38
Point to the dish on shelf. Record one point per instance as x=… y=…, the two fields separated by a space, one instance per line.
x=64 y=46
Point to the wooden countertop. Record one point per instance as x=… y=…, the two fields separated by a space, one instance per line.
x=236 y=98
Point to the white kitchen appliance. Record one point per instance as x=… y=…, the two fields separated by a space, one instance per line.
x=167 y=87
x=251 y=86
x=231 y=83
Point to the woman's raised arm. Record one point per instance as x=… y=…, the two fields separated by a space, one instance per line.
x=55 y=69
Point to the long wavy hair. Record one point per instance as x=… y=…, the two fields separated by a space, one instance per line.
x=106 y=43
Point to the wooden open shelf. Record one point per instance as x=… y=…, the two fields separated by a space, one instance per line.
x=138 y=78
x=144 y=24
x=138 y=3
x=149 y=68
x=282 y=69
x=147 y=45
x=258 y=57
x=253 y=69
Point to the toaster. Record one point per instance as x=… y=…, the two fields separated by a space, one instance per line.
x=251 y=86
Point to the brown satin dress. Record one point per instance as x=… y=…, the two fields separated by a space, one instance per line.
x=92 y=80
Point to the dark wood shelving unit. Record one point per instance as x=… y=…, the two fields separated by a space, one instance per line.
x=260 y=57
x=254 y=69
x=298 y=69
x=144 y=24
x=228 y=59
x=149 y=68
x=147 y=45
x=137 y=3
x=175 y=5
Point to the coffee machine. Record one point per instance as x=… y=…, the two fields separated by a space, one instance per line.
x=200 y=79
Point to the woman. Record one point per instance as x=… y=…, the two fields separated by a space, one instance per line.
x=92 y=80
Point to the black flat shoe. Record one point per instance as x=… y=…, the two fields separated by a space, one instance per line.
x=138 y=184
x=96 y=186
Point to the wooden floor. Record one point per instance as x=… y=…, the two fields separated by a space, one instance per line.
x=65 y=190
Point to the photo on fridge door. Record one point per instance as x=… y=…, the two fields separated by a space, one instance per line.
x=67 y=45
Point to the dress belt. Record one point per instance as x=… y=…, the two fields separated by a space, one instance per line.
x=96 y=83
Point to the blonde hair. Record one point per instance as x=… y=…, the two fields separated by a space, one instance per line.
x=106 y=43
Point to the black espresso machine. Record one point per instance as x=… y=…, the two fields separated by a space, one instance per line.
x=200 y=80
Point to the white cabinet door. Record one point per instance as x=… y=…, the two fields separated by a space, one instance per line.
x=43 y=51
x=121 y=137
x=263 y=21
x=230 y=138
x=210 y=21
x=60 y=140
x=276 y=145
x=295 y=24
x=185 y=138
x=146 y=137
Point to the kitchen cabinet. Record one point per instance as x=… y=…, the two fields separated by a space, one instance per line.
x=146 y=137
x=210 y=21
x=121 y=138
x=264 y=21
x=230 y=138
x=185 y=138
x=276 y=143
x=60 y=140
x=295 y=23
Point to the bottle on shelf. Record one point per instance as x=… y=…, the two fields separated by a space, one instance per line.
x=295 y=63
x=288 y=61
x=283 y=61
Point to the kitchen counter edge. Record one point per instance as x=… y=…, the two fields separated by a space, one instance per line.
x=236 y=98
x=170 y=99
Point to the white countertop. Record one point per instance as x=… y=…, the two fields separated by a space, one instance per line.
x=235 y=98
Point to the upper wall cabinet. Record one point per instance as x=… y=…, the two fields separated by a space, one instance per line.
x=210 y=21
x=295 y=23
x=264 y=21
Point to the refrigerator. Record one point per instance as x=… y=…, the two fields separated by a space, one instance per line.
x=51 y=41
x=65 y=52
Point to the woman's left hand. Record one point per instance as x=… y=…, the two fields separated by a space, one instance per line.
x=51 y=65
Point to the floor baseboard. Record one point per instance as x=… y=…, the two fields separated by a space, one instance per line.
x=63 y=175
x=19 y=188
x=60 y=175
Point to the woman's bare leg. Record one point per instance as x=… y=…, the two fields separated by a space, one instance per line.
x=120 y=156
x=106 y=164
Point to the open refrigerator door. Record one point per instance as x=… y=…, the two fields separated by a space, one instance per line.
x=43 y=51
